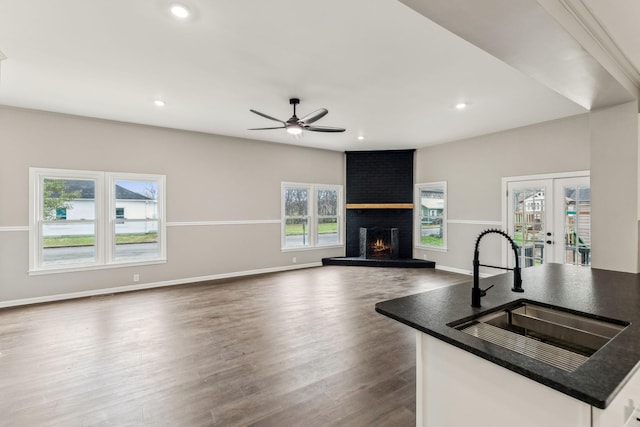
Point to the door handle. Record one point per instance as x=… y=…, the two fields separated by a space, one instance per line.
x=549 y=242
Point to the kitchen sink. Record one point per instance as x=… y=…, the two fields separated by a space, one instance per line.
x=549 y=334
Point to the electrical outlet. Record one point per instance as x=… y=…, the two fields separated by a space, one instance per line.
x=136 y=277
x=294 y=260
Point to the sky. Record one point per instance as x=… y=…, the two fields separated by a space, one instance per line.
x=138 y=186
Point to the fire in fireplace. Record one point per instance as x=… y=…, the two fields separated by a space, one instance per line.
x=380 y=243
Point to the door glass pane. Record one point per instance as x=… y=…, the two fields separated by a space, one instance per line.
x=529 y=227
x=136 y=219
x=577 y=225
x=327 y=227
x=68 y=227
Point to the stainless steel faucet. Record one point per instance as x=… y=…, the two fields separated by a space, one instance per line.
x=476 y=292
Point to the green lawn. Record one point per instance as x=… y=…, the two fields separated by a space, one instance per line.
x=64 y=241
x=431 y=240
x=296 y=229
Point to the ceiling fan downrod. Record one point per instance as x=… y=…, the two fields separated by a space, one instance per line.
x=294 y=102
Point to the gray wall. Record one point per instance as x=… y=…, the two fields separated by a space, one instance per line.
x=209 y=178
x=604 y=141
x=614 y=187
x=474 y=169
x=217 y=178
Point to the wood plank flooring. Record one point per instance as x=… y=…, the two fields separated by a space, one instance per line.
x=298 y=348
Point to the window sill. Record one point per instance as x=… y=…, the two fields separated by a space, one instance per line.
x=74 y=269
x=432 y=248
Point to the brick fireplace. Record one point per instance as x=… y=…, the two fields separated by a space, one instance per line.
x=379 y=196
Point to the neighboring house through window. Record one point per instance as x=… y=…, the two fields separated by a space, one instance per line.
x=78 y=219
x=311 y=215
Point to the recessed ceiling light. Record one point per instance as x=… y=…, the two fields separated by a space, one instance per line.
x=179 y=11
x=461 y=106
x=159 y=103
x=360 y=138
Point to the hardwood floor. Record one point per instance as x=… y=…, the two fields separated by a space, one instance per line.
x=303 y=347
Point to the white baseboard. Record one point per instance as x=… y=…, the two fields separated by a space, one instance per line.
x=129 y=288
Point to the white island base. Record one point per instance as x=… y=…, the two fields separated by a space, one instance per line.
x=457 y=389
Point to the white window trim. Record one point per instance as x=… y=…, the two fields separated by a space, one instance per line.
x=417 y=216
x=312 y=216
x=104 y=219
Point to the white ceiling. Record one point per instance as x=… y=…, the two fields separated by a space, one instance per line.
x=381 y=69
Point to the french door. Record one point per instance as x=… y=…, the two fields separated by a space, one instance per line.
x=550 y=220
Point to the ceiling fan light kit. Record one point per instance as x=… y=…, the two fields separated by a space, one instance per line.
x=295 y=126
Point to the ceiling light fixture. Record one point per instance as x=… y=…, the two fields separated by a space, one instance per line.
x=461 y=106
x=360 y=138
x=179 y=11
x=159 y=103
x=294 y=130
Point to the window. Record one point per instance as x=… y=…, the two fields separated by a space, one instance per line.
x=311 y=215
x=78 y=219
x=431 y=215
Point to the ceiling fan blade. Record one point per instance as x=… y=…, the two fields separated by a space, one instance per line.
x=315 y=116
x=267 y=117
x=323 y=129
x=279 y=127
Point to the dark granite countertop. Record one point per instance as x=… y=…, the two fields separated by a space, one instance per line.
x=606 y=294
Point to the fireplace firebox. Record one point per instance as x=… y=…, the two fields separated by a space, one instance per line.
x=379 y=243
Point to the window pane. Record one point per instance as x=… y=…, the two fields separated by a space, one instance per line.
x=64 y=199
x=327 y=218
x=328 y=231
x=136 y=199
x=65 y=240
x=296 y=232
x=327 y=203
x=296 y=202
x=432 y=203
x=137 y=239
x=68 y=243
x=577 y=225
x=136 y=214
x=529 y=214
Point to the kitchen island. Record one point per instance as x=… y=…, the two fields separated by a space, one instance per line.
x=465 y=380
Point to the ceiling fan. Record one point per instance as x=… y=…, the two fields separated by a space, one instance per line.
x=295 y=126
